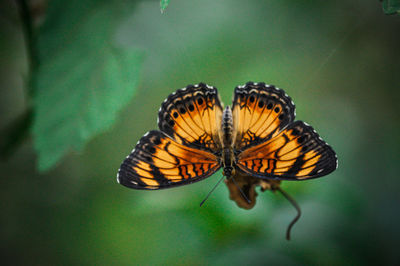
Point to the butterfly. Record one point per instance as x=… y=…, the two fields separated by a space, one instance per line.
x=257 y=142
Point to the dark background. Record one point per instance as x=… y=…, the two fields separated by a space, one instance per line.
x=340 y=63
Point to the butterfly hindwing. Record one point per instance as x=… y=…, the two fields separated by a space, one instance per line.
x=260 y=112
x=296 y=153
x=160 y=162
x=192 y=116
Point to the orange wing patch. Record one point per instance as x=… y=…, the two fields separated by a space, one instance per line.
x=295 y=153
x=160 y=162
x=259 y=112
x=192 y=116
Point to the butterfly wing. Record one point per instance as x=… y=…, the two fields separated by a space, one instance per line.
x=296 y=153
x=192 y=116
x=160 y=162
x=260 y=112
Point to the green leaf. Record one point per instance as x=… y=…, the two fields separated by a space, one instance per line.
x=163 y=5
x=83 y=78
x=391 y=7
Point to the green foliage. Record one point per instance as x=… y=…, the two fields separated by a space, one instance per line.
x=391 y=7
x=338 y=68
x=163 y=5
x=83 y=78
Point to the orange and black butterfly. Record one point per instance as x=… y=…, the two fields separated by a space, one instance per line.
x=256 y=142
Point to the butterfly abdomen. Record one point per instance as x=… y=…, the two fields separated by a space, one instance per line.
x=227 y=141
x=227 y=127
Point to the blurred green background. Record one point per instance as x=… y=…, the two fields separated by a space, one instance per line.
x=340 y=63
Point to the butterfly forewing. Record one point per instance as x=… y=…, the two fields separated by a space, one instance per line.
x=160 y=162
x=295 y=153
x=260 y=112
x=192 y=116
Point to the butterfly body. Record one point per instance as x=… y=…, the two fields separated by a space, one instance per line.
x=228 y=156
x=256 y=142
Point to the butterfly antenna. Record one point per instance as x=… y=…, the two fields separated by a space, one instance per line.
x=209 y=193
x=296 y=206
x=241 y=191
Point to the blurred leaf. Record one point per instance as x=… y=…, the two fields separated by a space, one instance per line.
x=391 y=7
x=163 y=5
x=83 y=79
